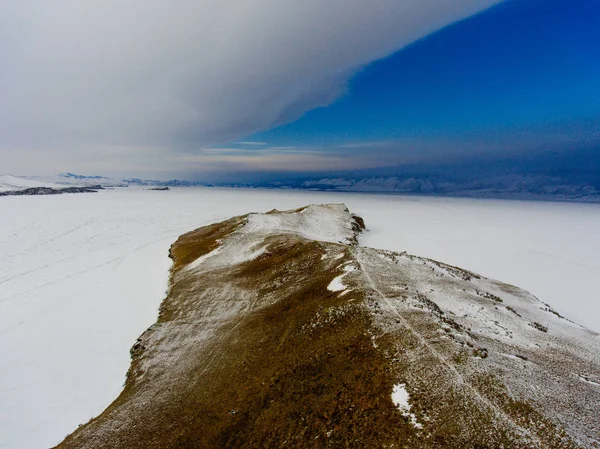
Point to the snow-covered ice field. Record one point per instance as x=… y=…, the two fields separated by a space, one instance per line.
x=81 y=276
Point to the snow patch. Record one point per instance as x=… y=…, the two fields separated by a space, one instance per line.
x=337 y=285
x=196 y=263
x=400 y=399
x=232 y=254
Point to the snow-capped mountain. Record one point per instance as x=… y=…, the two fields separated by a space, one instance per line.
x=10 y=183
x=74 y=179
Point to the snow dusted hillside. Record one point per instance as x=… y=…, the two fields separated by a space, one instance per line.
x=12 y=183
x=83 y=275
x=279 y=330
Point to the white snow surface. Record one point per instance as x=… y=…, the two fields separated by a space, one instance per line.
x=82 y=276
x=10 y=183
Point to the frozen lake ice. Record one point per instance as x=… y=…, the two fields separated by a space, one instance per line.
x=83 y=275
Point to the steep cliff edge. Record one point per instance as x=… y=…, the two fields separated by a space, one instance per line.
x=280 y=331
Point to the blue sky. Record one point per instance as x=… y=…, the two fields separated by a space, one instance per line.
x=200 y=89
x=525 y=70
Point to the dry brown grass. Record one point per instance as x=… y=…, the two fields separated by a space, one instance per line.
x=299 y=372
x=297 y=366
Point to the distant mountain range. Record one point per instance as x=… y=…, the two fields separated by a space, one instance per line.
x=75 y=179
x=509 y=186
x=17 y=186
x=18 y=183
x=550 y=186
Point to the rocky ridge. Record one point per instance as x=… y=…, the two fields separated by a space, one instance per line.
x=280 y=330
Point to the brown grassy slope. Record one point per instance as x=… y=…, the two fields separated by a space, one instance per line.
x=298 y=369
x=262 y=354
x=201 y=241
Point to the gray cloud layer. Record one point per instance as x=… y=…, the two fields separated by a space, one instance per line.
x=79 y=77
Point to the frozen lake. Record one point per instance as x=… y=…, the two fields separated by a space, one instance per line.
x=83 y=275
